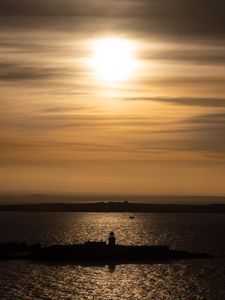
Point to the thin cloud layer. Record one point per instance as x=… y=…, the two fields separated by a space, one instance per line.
x=167 y=118
x=201 y=102
x=19 y=72
x=174 y=17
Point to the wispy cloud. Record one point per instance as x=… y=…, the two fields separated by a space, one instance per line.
x=201 y=102
x=200 y=54
x=119 y=137
x=20 y=72
x=204 y=133
x=174 y=17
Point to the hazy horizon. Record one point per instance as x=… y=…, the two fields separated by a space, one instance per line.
x=6 y=199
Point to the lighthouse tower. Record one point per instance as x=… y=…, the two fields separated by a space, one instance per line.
x=112 y=239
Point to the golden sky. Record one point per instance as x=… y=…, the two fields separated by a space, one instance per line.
x=124 y=97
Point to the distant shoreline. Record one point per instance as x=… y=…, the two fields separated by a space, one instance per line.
x=124 y=206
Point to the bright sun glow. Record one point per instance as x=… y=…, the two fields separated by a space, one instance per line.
x=113 y=59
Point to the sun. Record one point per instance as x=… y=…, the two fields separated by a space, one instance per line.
x=113 y=59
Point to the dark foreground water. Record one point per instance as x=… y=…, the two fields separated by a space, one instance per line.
x=196 y=279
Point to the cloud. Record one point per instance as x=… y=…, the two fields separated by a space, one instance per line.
x=63 y=109
x=213 y=119
x=204 y=133
x=208 y=133
x=53 y=136
x=20 y=72
x=201 y=102
x=201 y=55
x=174 y=17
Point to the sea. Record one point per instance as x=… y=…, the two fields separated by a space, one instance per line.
x=191 y=279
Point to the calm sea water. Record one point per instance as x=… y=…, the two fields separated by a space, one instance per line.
x=196 y=279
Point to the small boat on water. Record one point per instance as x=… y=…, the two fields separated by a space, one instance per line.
x=131 y=217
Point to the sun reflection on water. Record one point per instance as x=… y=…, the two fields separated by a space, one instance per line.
x=178 y=280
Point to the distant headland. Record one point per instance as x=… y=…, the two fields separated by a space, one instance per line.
x=153 y=204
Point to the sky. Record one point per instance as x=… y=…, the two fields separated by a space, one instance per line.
x=112 y=97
